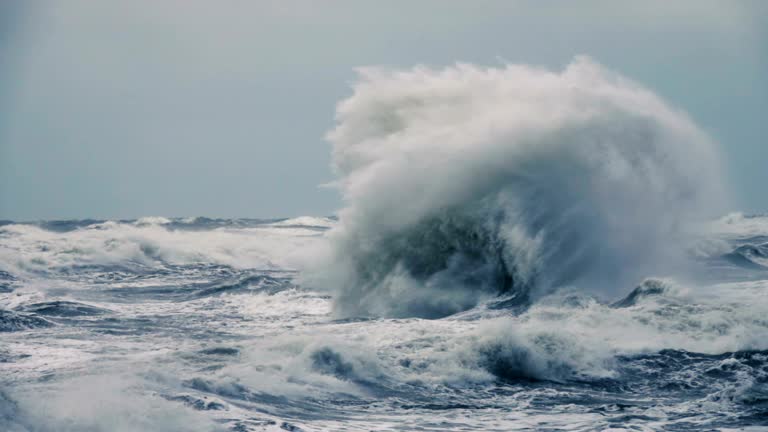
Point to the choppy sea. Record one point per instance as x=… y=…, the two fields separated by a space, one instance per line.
x=205 y=325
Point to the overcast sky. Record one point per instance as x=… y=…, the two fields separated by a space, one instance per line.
x=183 y=108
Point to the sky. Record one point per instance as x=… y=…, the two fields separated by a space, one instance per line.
x=122 y=109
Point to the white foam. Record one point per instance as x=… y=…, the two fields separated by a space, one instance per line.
x=739 y=225
x=28 y=248
x=456 y=179
x=306 y=221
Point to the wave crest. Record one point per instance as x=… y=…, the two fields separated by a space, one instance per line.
x=467 y=182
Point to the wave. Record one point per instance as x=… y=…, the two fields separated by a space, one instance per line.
x=465 y=183
x=740 y=226
x=14 y=321
x=567 y=336
x=63 y=308
x=750 y=256
x=306 y=222
x=70 y=246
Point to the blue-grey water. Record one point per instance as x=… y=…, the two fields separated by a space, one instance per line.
x=205 y=325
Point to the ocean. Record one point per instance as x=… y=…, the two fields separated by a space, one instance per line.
x=517 y=249
x=203 y=324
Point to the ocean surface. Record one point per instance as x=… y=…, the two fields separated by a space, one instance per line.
x=204 y=325
x=518 y=249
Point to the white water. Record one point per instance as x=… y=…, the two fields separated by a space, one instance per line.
x=463 y=182
x=283 y=357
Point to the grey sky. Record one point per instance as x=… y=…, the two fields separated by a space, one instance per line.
x=218 y=108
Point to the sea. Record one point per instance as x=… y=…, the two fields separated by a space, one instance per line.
x=516 y=249
x=199 y=324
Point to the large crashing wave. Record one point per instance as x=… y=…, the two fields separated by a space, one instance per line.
x=467 y=182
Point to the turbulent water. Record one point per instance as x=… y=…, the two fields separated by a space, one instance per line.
x=187 y=325
x=463 y=182
x=519 y=249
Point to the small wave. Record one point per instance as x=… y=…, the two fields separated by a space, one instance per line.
x=7 y=281
x=253 y=283
x=306 y=221
x=152 y=220
x=749 y=256
x=200 y=404
x=11 y=321
x=649 y=287
x=221 y=351
x=327 y=361
x=62 y=308
x=738 y=225
x=33 y=249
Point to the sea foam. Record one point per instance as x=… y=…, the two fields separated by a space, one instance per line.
x=467 y=182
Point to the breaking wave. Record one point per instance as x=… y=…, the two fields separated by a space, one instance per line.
x=151 y=243
x=465 y=183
